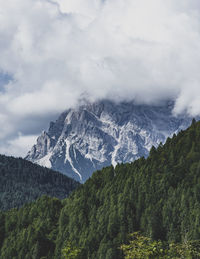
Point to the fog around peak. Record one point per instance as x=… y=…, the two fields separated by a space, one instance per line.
x=53 y=53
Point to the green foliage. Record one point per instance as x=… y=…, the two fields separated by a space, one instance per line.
x=70 y=251
x=141 y=247
x=31 y=231
x=22 y=182
x=159 y=196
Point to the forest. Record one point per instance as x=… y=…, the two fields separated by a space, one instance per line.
x=158 y=197
x=22 y=181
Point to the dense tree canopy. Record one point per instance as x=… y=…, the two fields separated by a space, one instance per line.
x=141 y=247
x=22 y=181
x=159 y=196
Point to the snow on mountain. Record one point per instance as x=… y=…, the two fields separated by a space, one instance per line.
x=95 y=135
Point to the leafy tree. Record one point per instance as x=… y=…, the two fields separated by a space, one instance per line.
x=158 y=196
x=70 y=251
x=141 y=247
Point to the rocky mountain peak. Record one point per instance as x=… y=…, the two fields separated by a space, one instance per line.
x=95 y=135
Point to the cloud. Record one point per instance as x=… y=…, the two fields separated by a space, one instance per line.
x=55 y=51
x=18 y=146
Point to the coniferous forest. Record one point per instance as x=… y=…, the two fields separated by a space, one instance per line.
x=22 y=181
x=158 y=196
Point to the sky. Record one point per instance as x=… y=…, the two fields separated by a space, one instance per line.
x=53 y=53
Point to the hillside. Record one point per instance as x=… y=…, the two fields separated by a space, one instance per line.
x=22 y=181
x=159 y=196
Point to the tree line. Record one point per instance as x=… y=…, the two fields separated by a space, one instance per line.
x=158 y=196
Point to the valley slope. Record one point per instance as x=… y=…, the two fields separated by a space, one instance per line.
x=22 y=181
x=160 y=196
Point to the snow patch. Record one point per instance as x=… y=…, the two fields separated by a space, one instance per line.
x=45 y=161
x=68 y=158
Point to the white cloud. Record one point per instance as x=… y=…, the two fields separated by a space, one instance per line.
x=18 y=146
x=56 y=51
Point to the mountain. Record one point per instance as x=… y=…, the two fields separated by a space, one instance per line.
x=22 y=181
x=159 y=196
x=96 y=135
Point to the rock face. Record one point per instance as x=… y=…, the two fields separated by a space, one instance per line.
x=95 y=135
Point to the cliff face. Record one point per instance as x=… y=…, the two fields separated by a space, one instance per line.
x=95 y=135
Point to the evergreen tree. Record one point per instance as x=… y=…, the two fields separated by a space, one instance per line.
x=159 y=196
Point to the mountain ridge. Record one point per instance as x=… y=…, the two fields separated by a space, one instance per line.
x=22 y=182
x=159 y=196
x=95 y=135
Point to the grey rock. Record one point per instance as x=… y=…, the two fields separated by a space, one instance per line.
x=95 y=135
